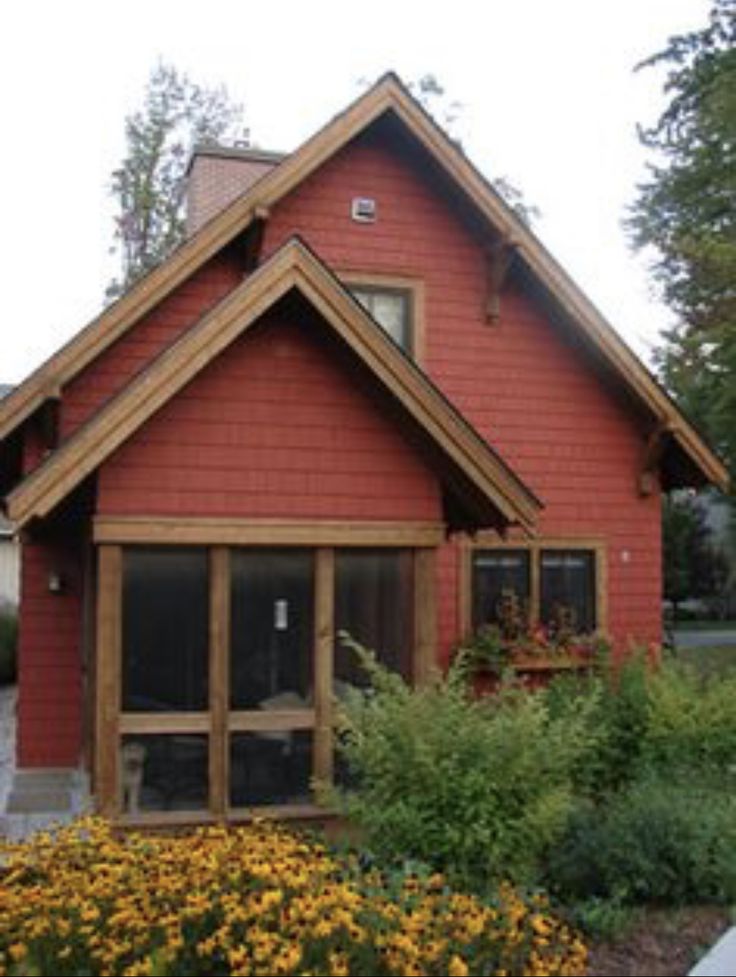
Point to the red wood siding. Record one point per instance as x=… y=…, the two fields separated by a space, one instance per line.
x=276 y=427
x=109 y=373
x=530 y=392
x=50 y=659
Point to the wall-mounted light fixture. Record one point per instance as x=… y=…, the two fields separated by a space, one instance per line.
x=55 y=582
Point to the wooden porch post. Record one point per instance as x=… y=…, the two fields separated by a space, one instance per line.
x=108 y=674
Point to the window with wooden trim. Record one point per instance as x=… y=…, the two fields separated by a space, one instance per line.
x=496 y=572
x=396 y=302
x=567 y=589
x=217 y=669
x=554 y=585
x=392 y=310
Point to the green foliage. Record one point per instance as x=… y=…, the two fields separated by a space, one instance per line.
x=602 y=919
x=687 y=212
x=480 y=789
x=691 y=725
x=658 y=841
x=616 y=707
x=149 y=184
x=8 y=646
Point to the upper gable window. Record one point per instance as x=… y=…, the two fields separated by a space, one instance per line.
x=391 y=308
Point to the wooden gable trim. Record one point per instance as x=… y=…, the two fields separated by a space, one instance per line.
x=294 y=266
x=386 y=95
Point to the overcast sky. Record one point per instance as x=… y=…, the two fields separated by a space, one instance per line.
x=550 y=101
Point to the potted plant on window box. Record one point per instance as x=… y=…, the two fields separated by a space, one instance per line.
x=512 y=643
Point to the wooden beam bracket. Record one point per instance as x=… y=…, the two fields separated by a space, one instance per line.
x=500 y=257
x=648 y=475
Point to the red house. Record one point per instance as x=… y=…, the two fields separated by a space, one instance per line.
x=361 y=396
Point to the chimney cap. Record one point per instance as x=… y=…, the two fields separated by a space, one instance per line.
x=248 y=153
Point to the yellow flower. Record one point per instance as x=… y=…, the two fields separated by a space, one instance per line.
x=17 y=951
x=457 y=967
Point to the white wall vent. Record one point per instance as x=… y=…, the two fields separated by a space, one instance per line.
x=363 y=209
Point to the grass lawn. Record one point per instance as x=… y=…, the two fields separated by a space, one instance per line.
x=714 y=660
x=704 y=625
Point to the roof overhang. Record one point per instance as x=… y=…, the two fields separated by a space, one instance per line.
x=387 y=96
x=480 y=483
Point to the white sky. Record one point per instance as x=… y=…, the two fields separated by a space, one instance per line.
x=550 y=101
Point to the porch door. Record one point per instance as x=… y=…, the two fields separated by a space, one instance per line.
x=271 y=667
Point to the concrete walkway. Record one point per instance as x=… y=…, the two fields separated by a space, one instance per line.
x=720 y=961
x=8 y=697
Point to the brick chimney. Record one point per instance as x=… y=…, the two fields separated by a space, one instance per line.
x=217 y=175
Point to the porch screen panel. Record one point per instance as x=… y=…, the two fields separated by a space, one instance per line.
x=567 y=583
x=165 y=641
x=164 y=773
x=496 y=571
x=272 y=625
x=272 y=767
x=374 y=603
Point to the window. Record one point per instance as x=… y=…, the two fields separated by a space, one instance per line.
x=567 y=589
x=559 y=586
x=496 y=572
x=396 y=302
x=391 y=308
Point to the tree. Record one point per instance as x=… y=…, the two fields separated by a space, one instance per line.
x=687 y=212
x=692 y=566
x=149 y=184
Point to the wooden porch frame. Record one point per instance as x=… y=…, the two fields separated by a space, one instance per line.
x=218 y=721
x=534 y=547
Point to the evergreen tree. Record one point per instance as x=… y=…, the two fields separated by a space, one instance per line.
x=687 y=212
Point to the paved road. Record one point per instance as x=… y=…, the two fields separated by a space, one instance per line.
x=705 y=639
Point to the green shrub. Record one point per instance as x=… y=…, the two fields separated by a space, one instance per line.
x=656 y=842
x=691 y=722
x=480 y=789
x=615 y=705
x=8 y=646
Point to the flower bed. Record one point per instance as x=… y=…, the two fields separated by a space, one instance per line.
x=256 y=900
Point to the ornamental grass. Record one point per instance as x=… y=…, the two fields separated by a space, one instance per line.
x=253 y=900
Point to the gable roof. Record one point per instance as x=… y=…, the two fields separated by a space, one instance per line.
x=489 y=488
x=388 y=95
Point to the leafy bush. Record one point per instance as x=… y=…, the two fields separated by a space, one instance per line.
x=657 y=842
x=477 y=788
x=257 y=900
x=691 y=722
x=616 y=706
x=8 y=643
